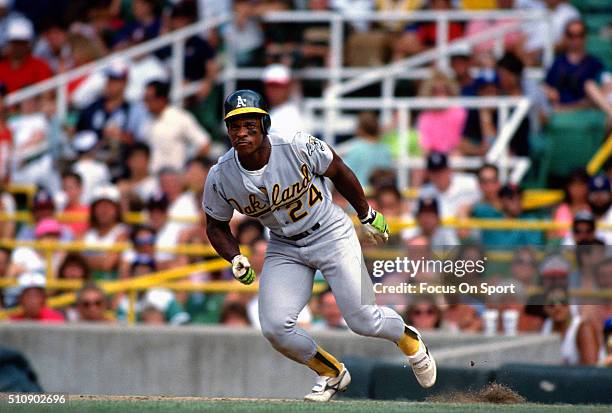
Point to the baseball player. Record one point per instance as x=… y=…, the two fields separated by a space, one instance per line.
x=280 y=181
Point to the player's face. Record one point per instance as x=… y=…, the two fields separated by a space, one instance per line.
x=245 y=134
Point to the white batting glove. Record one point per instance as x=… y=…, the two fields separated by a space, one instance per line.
x=241 y=268
x=375 y=227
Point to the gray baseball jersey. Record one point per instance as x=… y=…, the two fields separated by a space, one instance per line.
x=289 y=195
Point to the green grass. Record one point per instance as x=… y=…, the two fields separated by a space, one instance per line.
x=271 y=406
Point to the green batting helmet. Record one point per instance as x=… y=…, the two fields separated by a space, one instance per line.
x=246 y=101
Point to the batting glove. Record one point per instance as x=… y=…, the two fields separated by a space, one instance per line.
x=375 y=227
x=241 y=268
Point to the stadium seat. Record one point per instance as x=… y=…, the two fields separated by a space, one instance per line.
x=593 y=5
x=574 y=137
x=602 y=48
x=558 y=384
x=596 y=21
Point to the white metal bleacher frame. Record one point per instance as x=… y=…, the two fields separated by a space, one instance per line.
x=335 y=73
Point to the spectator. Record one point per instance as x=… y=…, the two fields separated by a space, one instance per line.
x=20 y=68
x=579 y=344
x=143 y=264
x=72 y=195
x=74 y=267
x=510 y=73
x=428 y=222
x=92 y=305
x=145 y=26
x=181 y=203
x=588 y=256
x=603 y=273
x=424 y=314
x=480 y=128
x=462 y=62
x=576 y=199
x=432 y=137
x=489 y=206
x=454 y=191
x=159 y=306
x=53 y=46
x=33 y=300
x=600 y=201
x=331 y=317
x=523 y=267
x=358 y=155
x=511 y=200
x=143 y=243
x=105 y=230
x=138 y=185
x=94 y=173
x=246 y=36
x=512 y=40
x=7 y=13
x=167 y=232
x=555 y=272
x=583 y=229
x=565 y=80
x=109 y=116
x=173 y=135
x=562 y=12
x=285 y=113
x=427 y=32
x=43 y=207
x=234 y=314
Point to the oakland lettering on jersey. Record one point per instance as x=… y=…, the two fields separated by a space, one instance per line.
x=280 y=198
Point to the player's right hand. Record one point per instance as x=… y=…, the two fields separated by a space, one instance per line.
x=375 y=227
x=241 y=268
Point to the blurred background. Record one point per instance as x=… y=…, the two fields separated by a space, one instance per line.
x=482 y=125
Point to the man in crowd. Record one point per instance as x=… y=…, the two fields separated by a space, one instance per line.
x=33 y=300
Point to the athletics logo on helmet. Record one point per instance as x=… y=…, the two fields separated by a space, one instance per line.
x=246 y=101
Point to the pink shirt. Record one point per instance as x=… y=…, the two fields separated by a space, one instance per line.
x=441 y=130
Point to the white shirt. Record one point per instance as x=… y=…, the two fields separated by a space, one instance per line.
x=174 y=137
x=184 y=206
x=94 y=174
x=286 y=120
x=141 y=72
x=167 y=237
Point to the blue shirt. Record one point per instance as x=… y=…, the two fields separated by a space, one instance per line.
x=364 y=157
x=569 y=78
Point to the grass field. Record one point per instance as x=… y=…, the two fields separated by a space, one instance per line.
x=193 y=405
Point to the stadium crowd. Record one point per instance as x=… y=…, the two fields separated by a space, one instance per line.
x=126 y=147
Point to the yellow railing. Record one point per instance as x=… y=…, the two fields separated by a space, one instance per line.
x=600 y=156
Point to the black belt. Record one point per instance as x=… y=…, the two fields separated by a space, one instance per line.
x=301 y=235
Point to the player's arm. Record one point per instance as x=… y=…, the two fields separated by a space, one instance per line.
x=348 y=186
x=226 y=245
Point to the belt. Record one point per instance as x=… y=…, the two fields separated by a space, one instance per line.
x=301 y=235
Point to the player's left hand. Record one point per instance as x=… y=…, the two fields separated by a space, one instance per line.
x=241 y=268
x=375 y=227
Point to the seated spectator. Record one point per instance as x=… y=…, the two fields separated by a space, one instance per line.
x=579 y=344
x=33 y=300
x=433 y=138
x=424 y=314
x=52 y=46
x=137 y=185
x=7 y=13
x=583 y=229
x=93 y=172
x=143 y=243
x=145 y=26
x=428 y=224
x=234 y=314
x=480 y=128
x=555 y=272
x=159 y=306
x=427 y=31
x=588 y=257
x=511 y=199
x=462 y=62
x=246 y=36
x=74 y=267
x=454 y=191
x=280 y=92
x=512 y=40
x=106 y=229
x=71 y=199
x=20 y=68
x=576 y=199
x=565 y=80
x=600 y=201
x=489 y=206
x=174 y=135
x=359 y=150
x=523 y=267
x=91 y=305
x=142 y=264
x=331 y=317
x=562 y=12
x=166 y=232
x=110 y=115
x=463 y=317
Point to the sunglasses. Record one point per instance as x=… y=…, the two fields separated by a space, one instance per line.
x=575 y=35
x=523 y=262
x=92 y=303
x=583 y=231
x=419 y=312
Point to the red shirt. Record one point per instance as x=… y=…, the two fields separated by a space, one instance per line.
x=47 y=315
x=31 y=70
x=427 y=32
